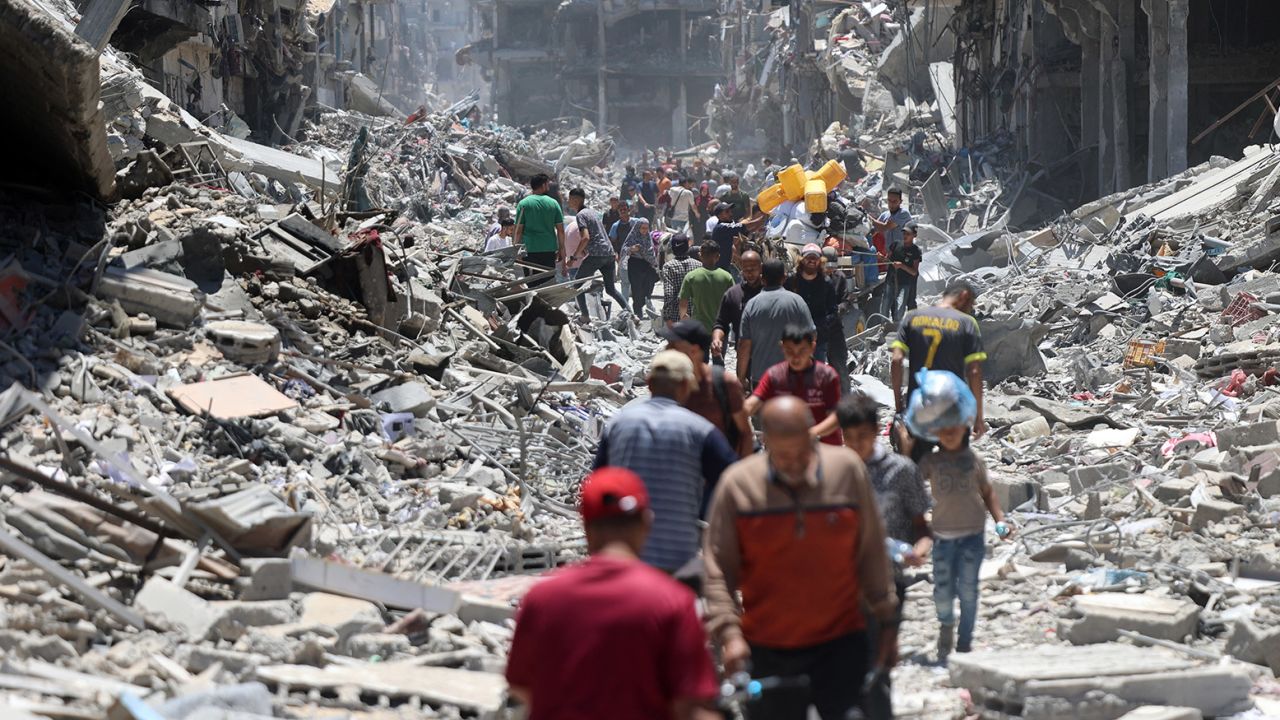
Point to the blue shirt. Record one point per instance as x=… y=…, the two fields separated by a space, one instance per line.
x=901 y=219
x=679 y=455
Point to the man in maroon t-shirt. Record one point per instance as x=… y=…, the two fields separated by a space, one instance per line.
x=612 y=637
x=814 y=382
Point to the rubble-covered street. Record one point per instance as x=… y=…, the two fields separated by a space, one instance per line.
x=279 y=439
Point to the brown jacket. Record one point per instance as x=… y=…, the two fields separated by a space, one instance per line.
x=804 y=559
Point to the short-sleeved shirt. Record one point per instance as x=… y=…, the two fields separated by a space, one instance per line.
x=900 y=492
x=539 y=214
x=900 y=219
x=724 y=235
x=939 y=338
x=649 y=191
x=574 y=242
x=590 y=223
x=729 y=318
x=703 y=400
x=740 y=202
x=682 y=207
x=610 y=638
x=818 y=387
x=819 y=295
x=674 y=271
x=704 y=289
x=765 y=319
x=907 y=255
x=957 y=481
x=618 y=233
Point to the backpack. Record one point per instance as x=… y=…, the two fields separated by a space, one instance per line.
x=722 y=398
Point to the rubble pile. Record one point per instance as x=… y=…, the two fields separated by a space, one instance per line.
x=280 y=441
x=1133 y=406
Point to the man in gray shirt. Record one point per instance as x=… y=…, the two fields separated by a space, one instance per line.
x=597 y=252
x=764 y=320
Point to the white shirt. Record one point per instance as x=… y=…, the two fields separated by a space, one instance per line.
x=681 y=203
x=496 y=242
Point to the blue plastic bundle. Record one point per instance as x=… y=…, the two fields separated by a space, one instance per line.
x=941 y=400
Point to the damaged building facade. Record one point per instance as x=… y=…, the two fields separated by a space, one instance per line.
x=1109 y=94
x=643 y=70
x=252 y=67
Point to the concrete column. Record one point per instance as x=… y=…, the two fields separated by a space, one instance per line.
x=1122 y=66
x=1158 y=96
x=1178 y=81
x=602 y=78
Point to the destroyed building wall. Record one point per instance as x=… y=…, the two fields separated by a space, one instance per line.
x=1108 y=95
x=644 y=71
x=49 y=80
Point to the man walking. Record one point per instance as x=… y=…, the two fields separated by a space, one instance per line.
x=648 y=197
x=764 y=321
x=673 y=275
x=728 y=235
x=729 y=316
x=837 y=332
x=704 y=288
x=612 y=637
x=811 y=284
x=678 y=454
x=905 y=258
x=684 y=213
x=597 y=255
x=718 y=397
x=942 y=337
x=618 y=233
x=540 y=227
x=738 y=201
x=889 y=226
x=796 y=531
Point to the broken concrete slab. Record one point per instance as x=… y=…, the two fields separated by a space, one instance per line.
x=170 y=299
x=472 y=691
x=182 y=609
x=245 y=342
x=1233 y=437
x=1094 y=682
x=255 y=520
x=410 y=397
x=347 y=616
x=1162 y=712
x=1103 y=615
x=1252 y=644
x=380 y=587
x=1212 y=511
x=1089 y=476
x=265 y=579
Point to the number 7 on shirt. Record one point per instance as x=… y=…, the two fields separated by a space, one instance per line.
x=935 y=339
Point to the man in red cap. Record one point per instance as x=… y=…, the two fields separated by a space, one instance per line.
x=612 y=637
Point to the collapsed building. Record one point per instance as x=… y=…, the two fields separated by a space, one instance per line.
x=643 y=70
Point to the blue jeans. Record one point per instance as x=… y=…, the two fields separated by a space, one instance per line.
x=904 y=299
x=955 y=574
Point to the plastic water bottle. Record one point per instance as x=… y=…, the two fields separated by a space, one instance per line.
x=1002 y=529
x=898 y=550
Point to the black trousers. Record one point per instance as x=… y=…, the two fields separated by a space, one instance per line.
x=643 y=280
x=836 y=670
x=542 y=259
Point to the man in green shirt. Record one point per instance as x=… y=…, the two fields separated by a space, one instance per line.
x=705 y=287
x=540 y=226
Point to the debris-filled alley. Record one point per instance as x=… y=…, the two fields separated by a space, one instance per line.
x=291 y=423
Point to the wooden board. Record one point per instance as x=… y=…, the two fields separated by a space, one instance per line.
x=237 y=396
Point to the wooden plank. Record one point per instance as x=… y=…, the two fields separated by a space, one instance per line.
x=17 y=548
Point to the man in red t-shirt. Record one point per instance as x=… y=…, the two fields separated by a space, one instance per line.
x=612 y=637
x=814 y=382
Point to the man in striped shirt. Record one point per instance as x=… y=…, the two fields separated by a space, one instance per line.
x=678 y=453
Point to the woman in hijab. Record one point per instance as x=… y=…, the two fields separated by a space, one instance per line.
x=642 y=268
x=705 y=199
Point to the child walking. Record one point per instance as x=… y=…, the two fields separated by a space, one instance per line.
x=962 y=496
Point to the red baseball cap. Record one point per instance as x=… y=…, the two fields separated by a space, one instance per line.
x=612 y=492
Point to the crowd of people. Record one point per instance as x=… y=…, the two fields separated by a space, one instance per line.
x=765 y=494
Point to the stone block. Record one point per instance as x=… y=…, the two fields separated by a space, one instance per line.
x=482 y=609
x=1252 y=644
x=1253 y=435
x=176 y=606
x=1013 y=492
x=1212 y=511
x=347 y=616
x=236 y=616
x=1174 y=489
x=265 y=579
x=410 y=397
x=1087 y=476
x=383 y=645
x=1102 y=616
